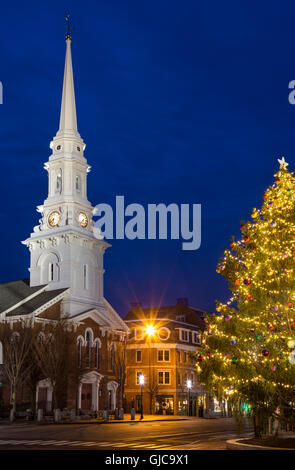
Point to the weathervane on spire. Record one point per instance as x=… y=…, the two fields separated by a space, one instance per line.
x=69 y=26
x=283 y=163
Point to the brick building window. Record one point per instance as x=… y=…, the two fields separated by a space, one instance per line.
x=180 y=318
x=196 y=337
x=184 y=335
x=163 y=355
x=164 y=377
x=138 y=374
x=138 y=355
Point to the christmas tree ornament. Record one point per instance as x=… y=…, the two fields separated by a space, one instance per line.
x=233 y=341
x=292 y=296
x=270 y=272
x=289 y=304
x=293 y=324
x=276 y=308
x=291 y=343
x=227 y=318
x=273 y=368
x=234 y=360
x=236 y=283
x=259 y=337
x=200 y=358
x=271 y=328
x=254 y=214
x=247 y=282
x=265 y=352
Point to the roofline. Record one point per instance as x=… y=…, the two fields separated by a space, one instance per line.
x=162 y=319
x=23 y=301
x=41 y=309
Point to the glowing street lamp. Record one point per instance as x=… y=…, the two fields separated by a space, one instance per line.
x=150 y=330
x=189 y=386
x=141 y=382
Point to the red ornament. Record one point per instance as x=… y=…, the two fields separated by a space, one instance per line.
x=246 y=240
x=247 y=282
x=271 y=328
x=200 y=358
x=265 y=352
x=289 y=304
x=236 y=282
x=249 y=297
x=293 y=324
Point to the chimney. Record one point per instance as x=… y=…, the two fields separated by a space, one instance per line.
x=182 y=301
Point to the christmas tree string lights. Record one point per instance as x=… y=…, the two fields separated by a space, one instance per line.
x=249 y=346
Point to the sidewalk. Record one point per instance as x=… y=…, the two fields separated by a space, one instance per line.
x=127 y=419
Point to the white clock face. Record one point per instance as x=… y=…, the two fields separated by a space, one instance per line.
x=83 y=219
x=54 y=218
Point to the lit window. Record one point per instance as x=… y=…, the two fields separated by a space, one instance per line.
x=138 y=374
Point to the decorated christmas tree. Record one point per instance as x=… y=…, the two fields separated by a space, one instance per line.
x=248 y=353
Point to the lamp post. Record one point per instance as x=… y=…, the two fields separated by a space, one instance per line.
x=141 y=381
x=189 y=386
x=150 y=331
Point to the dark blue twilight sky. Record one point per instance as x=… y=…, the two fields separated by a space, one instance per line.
x=177 y=101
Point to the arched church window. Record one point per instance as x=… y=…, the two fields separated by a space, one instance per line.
x=79 y=344
x=59 y=181
x=1 y=353
x=112 y=353
x=88 y=338
x=96 y=354
x=50 y=272
x=78 y=183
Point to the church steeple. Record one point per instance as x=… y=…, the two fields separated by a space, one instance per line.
x=64 y=250
x=68 y=117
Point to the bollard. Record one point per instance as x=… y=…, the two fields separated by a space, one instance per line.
x=39 y=415
x=132 y=414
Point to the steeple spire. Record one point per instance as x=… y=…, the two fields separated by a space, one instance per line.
x=68 y=117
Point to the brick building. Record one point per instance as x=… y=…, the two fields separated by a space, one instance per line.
x=160 y=347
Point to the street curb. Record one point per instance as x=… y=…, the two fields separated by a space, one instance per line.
x=118 y=421
x=233 y=444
